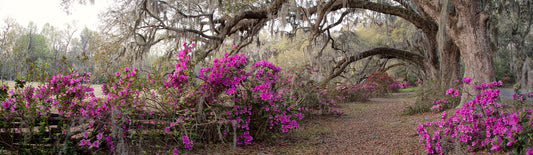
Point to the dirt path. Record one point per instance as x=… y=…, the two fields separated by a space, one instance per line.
x=372 y=127
x=376 y=127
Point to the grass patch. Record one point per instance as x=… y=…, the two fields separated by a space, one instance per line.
x=412 y=89
x=357 y=107
x=311 y=132
x=427 y=95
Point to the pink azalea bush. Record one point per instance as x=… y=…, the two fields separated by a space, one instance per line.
x=29 y=107
x=378 y=83
x=433 y=98
x=227 y=101
x=381 y=83
x=354 y=92
x=482 y=123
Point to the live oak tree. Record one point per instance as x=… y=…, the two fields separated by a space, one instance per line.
x=510 y=37
x=462 y=24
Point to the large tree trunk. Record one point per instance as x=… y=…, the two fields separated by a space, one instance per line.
x=450 y=64
x=433 y=69
x=469 y=32
x=478 y=65
x=448 y=51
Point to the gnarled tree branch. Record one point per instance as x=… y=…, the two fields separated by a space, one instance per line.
x=339 y=68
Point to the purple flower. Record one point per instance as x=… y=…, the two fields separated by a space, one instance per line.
x=188 y=143
x=266 y=96
x=450 y=91
x=85 y=135
x=231 y=90
x=467 y=80
x=84 y=142
x=529 y=151
x=96 y=144
x=5 y=104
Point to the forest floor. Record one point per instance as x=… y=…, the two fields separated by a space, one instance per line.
x=372 y=127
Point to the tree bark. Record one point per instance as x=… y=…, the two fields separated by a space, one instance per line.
x=470 y=34
x=448 y=51
x=450 y=65
x=467 y=27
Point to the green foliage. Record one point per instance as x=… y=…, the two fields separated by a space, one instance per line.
x=19 y=83
x=3 y=91
x=503 y=71
x=431 y=93
x=412 y=89
x=28 y=52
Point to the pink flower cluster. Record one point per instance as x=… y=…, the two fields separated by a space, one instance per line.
x=240 y=116
x=354 y=92
x=188 y=143
x=134 y=108
x=65 y=95
x=226 y=74
x=438 y=105
x=480 y=123
x=453 y=92
x=266 y=73
x=180 y=76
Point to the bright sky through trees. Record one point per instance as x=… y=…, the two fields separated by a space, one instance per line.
x=50 y=11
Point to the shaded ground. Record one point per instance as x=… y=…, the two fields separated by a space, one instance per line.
x=372 y=127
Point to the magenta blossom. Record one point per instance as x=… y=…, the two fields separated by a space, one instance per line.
x=467 y=80
x=529 y=151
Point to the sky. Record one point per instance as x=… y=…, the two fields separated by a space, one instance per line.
x=50 y=11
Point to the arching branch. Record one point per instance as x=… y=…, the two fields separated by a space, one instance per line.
x=409 y=15
x=392 y=66
x=339 y=68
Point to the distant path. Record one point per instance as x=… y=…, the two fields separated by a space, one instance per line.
x=373 y=127
x=508 y=93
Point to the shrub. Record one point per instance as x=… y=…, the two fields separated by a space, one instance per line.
x=353 y=92
x=380 y=83
x=26 y=114
x=431 y=97
x=481 y=124
x=309 y=96
x=228 y=101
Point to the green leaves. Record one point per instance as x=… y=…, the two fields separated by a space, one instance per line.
x=3 y=92
x=19 y=83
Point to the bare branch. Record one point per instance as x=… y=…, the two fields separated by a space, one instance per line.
x=339 y=21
